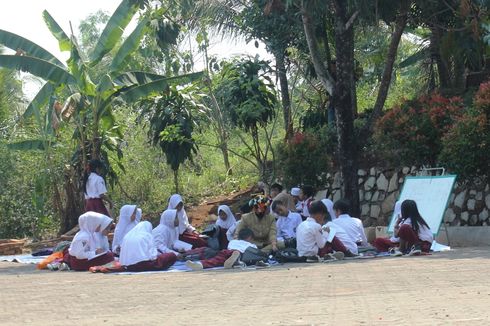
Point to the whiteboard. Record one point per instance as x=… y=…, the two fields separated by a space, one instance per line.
x=431 y=195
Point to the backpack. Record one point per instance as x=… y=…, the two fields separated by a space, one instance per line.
x=253 y=255
x=289 y=255
x=212 y=231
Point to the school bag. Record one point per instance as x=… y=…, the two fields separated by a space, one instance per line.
x=289 y=255
x=212 y=231
x=252 y=256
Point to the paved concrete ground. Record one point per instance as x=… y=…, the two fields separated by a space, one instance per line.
x=443 y=289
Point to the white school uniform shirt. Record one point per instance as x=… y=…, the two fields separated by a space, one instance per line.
x=286 y=226
x=124 y=224
x=425 y=234
x=305 y=210
x=353 y=227
x=184 y=224
x=95 y=186
x=343 y=237
x=299 y=206
x=397 y=212
x=230 y=234
x=87 y=241
x=138 y=245
x=240 y=245
x=310 y=238
x=165 y=234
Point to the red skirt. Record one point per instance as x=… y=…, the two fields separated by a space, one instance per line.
x=193 y=239
x=163 y=262
x=84 y=264
x=96 y=205
x=383 y=244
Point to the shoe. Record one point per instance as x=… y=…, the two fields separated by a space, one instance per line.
x=194 y=265
x=312 y=259
x=350 y=254
x=261 y=264
x=232 y=260
x=338 y=255
x=415 y=251
x=394 y=252
x=64 y=267
x=53 y=266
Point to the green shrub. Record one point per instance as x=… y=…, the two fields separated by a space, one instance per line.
x=411 y=133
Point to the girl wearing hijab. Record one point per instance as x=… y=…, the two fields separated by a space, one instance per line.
x=413 y=231
x=129 y=217
x=329 y=204
x=389 y=244
x=226 y=221
x=139 y=253
x=95 y=190
x=187 y=232
x=90 y=246
x=167 y=232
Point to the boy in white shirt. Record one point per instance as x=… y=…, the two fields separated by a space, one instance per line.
x=312 y=240
x=352 y=226
x=286 y=224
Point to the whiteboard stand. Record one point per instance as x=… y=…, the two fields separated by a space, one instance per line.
x=424 y=172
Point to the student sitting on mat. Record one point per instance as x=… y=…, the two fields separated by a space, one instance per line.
x=139 y=253
x=329 y=204
x=286 y=224
x=391 y=244
x=90 y=246
x=312 y=240
x=329 y=226
x=307 y=196
x=413 y=231
x=352 y=226
x=166 y=233
x=187 y=232
x=226 y=221
x=129 y=217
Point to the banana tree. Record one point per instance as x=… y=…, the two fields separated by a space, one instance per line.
x=88 y=99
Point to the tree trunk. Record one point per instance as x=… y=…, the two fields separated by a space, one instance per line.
x=435 y=50
x=176 y=181
x=285 y=99
x=384 y=86
x=344 y=101
x=226 y=158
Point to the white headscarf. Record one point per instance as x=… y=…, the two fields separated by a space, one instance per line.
x=230 y=220
x=88 y=223
x=173 y=202
x=138 y=245
x=124 y=224
x=329 y=204
x=167 y=222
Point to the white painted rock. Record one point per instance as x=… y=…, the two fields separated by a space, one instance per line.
x=365 y=210
x=368 y=196
x=473 y=220
x=405 y=170
x=465 y=216
x=459 y=199
x=361 y=172
x=471 y=204
x=388 y=204
x=375 y=210
x=382 y=182
x=372 y=171
x=393 y=183
x=369 y=184
x=449 y=216
x=483 y=216
x=375 y=196
x=487 y=201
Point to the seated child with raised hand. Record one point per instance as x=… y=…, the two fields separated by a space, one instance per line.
x=129 y=217
x=312 y=240
x=286 y=224
x=413 y=231
x=351 y=225
x=90 y=246
x=139 y=253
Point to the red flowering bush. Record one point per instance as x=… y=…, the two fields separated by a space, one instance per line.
x=466 y=146
x=411 y=133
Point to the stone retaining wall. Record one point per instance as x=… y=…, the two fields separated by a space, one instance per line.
x=380 y=188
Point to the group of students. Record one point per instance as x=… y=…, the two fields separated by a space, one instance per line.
x=281 y=223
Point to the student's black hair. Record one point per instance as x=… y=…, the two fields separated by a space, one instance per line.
x=276 y=203
x=317 y=207
x=410 y=210
x=93 y=165
x=343 y=205
x=245 y=234
x=308 y=191
x=277 y=186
